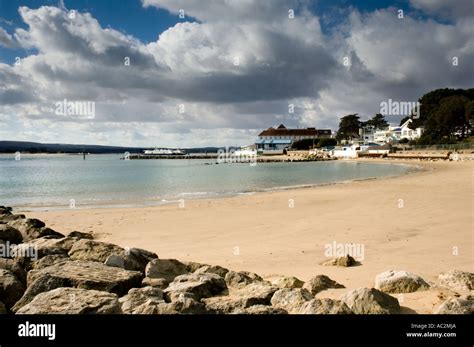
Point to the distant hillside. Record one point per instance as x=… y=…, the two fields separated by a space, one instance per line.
x=36 y=147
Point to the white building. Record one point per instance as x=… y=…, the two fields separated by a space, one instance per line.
x=391 y=134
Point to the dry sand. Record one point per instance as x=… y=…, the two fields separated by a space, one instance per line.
x=263 y=234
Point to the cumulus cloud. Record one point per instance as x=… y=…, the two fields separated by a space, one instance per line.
x=6 y=40
x=226 y=75
x=443 y=8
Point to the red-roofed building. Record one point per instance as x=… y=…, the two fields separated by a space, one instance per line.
x=275 y=140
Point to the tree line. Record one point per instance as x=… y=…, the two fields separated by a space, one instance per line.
x=446 y=115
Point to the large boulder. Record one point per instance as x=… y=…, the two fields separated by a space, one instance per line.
x=44 y=283
x=259 y=293
x=454 y=305
x=457 y=280
x=14 y=267
x=49 y=260
x=291 y=299
x=320 y=283
x=11 y=288
x=31 y=229
x=370 y=301
x=165 y=268
x=51 y=245
x=212 y=269
x=241 y=278
x=91 y=275
x=73 y=301
x=197 y=285
x=325 y=306
x=399 y=282
x=10 y=234
x=288 y=282
x=134 y=259
x=91 y=250
x=142 y=301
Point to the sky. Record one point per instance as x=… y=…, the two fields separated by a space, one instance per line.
x=188 y=73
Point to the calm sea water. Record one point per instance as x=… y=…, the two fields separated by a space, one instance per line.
x=51 y=181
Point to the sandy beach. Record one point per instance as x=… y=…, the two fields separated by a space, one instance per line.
x=428 y=231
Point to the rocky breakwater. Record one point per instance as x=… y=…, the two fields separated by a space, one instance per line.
x=43 y=271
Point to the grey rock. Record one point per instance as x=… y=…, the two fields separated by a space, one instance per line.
x=142 y=301
x=193 y=266
x=400 y=282
x=320 y=283
x=51 y=246
x=134 y=259
x=91 y=250
x=457 y=280
x=91 y=275
x=31 y=229
x=291 y=299
x=288 y=282
x=43 y=283
x=325 y=306
x=14 y=267
x=241 y=278
x=212 y=269
x=370 y=301
x=73 y=301
x=454 y=305
x=11 y=288
x=182 y=304
x=259 y=293
x=49 y=260
x=10 y=234
x=198 y=285
x=344 y=261
x=165 y=268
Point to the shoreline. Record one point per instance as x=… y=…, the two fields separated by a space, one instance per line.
x=141 y=203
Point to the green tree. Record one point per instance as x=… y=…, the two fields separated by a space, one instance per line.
x=430 y=102
x=304 y=144
x=445 y=114
x=348 y=127
x=377 y=122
